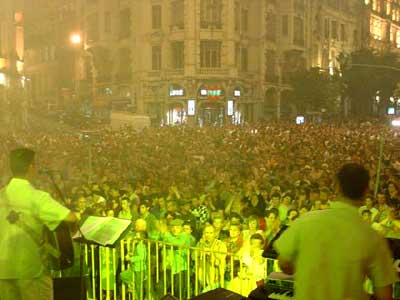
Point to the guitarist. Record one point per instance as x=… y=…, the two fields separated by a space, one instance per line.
x=23 y=267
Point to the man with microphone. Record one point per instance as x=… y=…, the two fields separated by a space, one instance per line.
x=24 y=273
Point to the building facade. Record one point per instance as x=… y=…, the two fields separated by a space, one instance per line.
x=381 y=24
x=193 y=61
x=51 y=58
x=13 y=100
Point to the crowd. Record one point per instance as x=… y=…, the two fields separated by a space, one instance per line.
x=228 y=190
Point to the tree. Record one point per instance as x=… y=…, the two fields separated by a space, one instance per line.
x=314 y=90
x=397 y=91
x=367 y=73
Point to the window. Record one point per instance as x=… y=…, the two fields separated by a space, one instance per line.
x=271 y=26
x=156 y=16
x=125 y=23
x=270 y=70
x=1 y=37
x=237 y=16
x=124 y=67
x=210 y=54
x=298 y=31
x=334 y=30
x=245 y=20
x=355 y=37
x=178 y=55
x=92 y=28
x=285 y=25
x=326 y=28
x=343 y=34
x=211 y=14
x=156 y=58
x=299 y=5
x=178 y=14
x=237 y=55
x=244 y=59
x=107 y=22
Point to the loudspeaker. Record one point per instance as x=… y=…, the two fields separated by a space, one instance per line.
x=219 y=294
x=68 y=288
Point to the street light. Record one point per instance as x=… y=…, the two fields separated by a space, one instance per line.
x=75 y=39
x=2 y=79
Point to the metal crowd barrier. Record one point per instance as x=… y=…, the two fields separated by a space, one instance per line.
x=160 y=268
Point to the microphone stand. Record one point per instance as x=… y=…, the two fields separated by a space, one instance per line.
x=81 y=250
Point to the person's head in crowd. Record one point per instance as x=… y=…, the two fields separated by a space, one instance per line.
x=171 y=206
x=176 y=226
x=170 y=216
x=110 y=213
x=353 y=180
x=114 y=193
x=394 y=211
x=144 y=209
x=303 y=193
x=140 y=225
x=272 y=218
x=185 y=206
x=287 y=199
x=253 y=223
x=293 y=214
x=235 y=218
x=367 y=216
x=256 y=242
x=115 y=204
x=244 y=203
x=393 y=190
x=209 y=234
x=314 y=194
x=162 y=203
x=125 y=204
x=369 y=201
x=218 y=222
x=235 y=230
x=81 y=204
x=275 y=200
x=105 y=187
x=187 y=228
x=95 y=188
x=381 y=198
x=22 y=163
x=195 y=202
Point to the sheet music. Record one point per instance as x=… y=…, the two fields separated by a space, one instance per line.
x=104 y=231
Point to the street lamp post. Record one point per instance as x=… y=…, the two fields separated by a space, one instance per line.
x=76 y=41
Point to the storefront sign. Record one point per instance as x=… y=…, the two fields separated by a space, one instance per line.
x=230 y=108
x=176 y=92
x=191 y=107
x=211 y=92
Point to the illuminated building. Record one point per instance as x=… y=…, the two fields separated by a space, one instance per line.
x=159 y=57
x=50 y=57
x=165 y=53
x=381 y=24
x=216 y=52
x=11 y=42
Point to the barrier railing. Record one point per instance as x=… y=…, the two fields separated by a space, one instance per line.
x=147 y=269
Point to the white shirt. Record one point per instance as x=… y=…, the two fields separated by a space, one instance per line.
x=333 y=251
x=20 y=256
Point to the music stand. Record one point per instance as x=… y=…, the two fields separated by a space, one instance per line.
x=100 y=231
